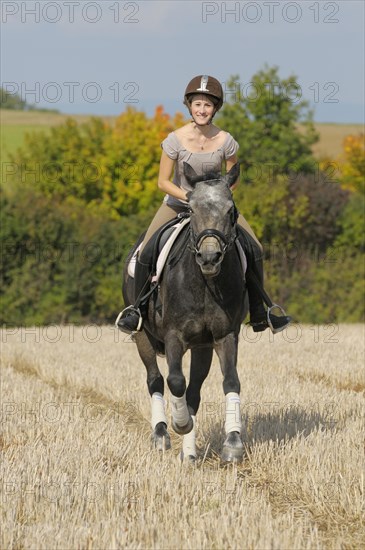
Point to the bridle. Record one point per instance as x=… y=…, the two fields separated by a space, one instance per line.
x=225 y=241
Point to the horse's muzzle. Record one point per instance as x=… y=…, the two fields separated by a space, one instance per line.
x=209 y=261
x=210 y=271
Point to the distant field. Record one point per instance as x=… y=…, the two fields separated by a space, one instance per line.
x=15 y=124
x=78 y=470
x=331 y=138
x=12 y=137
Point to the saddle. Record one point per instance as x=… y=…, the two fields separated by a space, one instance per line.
x=165 y=247
x=157 y=250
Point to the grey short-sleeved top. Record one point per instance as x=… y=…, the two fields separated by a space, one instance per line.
x=201 y=162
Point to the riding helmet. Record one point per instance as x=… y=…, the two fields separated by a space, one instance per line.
x=207 y=85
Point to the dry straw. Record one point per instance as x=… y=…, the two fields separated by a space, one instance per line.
x=78 y=471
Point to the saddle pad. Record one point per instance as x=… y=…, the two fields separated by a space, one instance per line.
x=162 y=255
x=242 y=256
x=133 y=261
x=161 y=261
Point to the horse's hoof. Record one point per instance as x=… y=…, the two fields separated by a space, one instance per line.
x=230 y=454
x=232 y=448
x=183 y=430
x=187 y=459
x=160 y=438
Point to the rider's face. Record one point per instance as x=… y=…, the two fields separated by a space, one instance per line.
x=202 y=109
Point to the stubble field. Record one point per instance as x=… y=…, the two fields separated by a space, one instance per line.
x=78 y=471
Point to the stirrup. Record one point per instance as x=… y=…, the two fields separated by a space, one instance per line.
x=275 y=331
x=132 y=309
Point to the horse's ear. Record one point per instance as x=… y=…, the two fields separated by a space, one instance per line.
x=190 y=174
x=232 y=176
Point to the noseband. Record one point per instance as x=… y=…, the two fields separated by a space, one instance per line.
x=225 y=242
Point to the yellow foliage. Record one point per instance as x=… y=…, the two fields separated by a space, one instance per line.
x=132 y=156
x=352 y=163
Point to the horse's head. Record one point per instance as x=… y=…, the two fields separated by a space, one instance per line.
x=213 y=217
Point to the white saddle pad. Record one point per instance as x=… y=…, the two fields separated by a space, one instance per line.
x=161 y=260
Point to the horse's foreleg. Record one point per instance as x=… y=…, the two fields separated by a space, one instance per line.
x=182 y=422
x=199 y=369
x=201 y=359
x=160 y=438
x=227 y=352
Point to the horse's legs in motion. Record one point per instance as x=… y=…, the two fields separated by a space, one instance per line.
x=227 y=352
x=160 y=437
x=199 y=368
x=182 y=422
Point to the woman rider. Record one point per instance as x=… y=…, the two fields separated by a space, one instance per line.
x=205 y=147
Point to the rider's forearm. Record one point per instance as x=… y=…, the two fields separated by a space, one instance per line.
x=168 y=187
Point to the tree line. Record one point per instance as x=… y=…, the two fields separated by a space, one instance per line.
x=14 y=102
x=75 y=200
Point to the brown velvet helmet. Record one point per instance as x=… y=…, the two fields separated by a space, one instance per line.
x=207 y=85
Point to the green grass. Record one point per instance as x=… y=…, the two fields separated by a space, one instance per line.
x=13 y=137
x=16 y=124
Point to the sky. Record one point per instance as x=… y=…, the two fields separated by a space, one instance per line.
x=100 y=57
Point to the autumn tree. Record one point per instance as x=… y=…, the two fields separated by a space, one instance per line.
x=264 y=118
x=107 y=168
x=76 y=199
x=352 y=178
x=73 y=203
x=352 y=163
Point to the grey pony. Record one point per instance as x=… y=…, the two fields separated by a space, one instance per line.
x=202 y=304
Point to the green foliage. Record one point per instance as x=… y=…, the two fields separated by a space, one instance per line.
x=302 y=211
x=60 y=262
x=109 y=169
x=81 y=190
x=303 y=219
x=63 y=162
x=77 y=198
x=13 y=137
x=320 y=289
x=264 y=118
x=307 y=267
x=351 y=223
